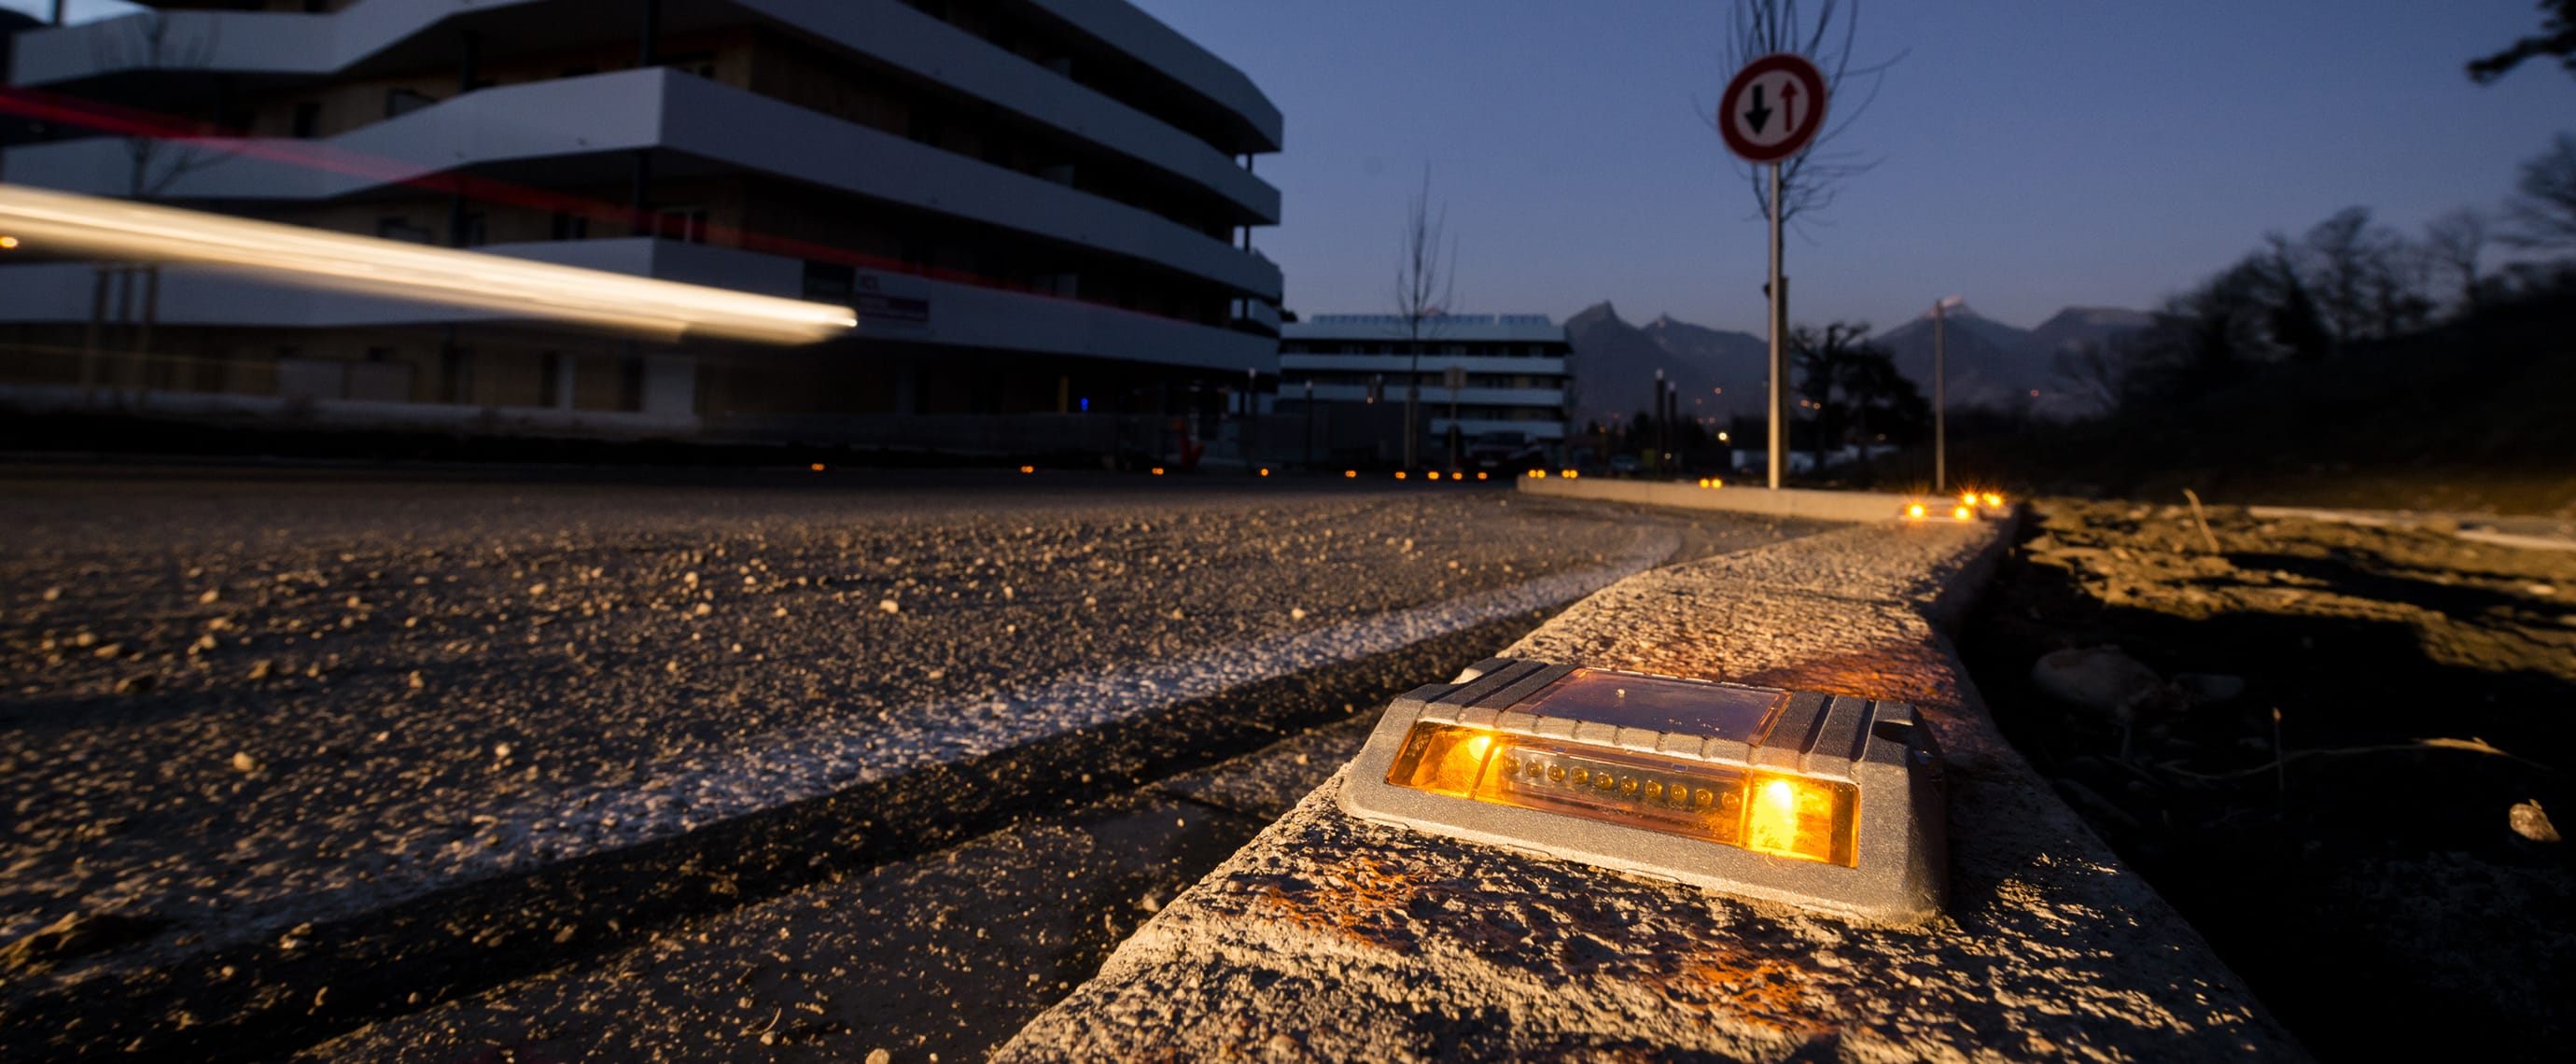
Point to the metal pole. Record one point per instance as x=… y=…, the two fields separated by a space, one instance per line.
x=1940 y=408
x=1310 y=423
x=1779 y=364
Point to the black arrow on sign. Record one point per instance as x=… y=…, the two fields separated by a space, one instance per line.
x=1757 y=114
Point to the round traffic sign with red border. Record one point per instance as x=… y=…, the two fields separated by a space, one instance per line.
x=1773 y=108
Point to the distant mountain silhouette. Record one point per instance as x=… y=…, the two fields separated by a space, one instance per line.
x=1720 y=372
x=1991 y=364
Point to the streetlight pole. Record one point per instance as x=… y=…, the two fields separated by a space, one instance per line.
x=1310 y=422
x=1940 y=400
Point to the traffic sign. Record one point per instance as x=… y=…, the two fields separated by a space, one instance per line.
x=1773 y=108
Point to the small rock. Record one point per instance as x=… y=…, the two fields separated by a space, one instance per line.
x=416 y=683
x=259 y=670
x=53 y=593
x=1152 y=902
x=889 y=606
x=879 y=1056
x=243 y=762
x=2531 y=822
x=2542 y=590
x=537 y=589
x=110 y=650
x=701 y=609
x=136 y=685
x=213 y=595
x=501 y=751
x=2095 y=677
x=1296 y=613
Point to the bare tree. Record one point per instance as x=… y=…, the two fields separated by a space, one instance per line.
x=2454 y=243
x=1808 y=181
x=1423 y=295
x=2366 y=277
x=2543 y=208
x=2557 y=37
x=154 y=164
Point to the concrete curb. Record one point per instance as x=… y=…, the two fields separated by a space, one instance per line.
x=1864 y=506
x=1328 y=937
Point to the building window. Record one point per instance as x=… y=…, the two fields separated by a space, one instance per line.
x=830 y=281
x=400 y=228
x=702 y=64
x=685 y=224
x=550 y=379
x=400 y=102
x=470 y=232
x=308 y=120
x=630 y=383
x=455 y=375
x=569 y=226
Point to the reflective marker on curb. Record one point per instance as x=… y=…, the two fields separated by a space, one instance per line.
x=1828 y=802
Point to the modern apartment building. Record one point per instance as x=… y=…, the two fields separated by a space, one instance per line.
x=1040 y=209
x=1512 y=368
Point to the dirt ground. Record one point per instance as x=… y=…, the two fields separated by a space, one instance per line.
x=2379 y=892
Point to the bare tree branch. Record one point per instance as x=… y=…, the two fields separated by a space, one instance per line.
x=1810 y=179
x=1424 y=295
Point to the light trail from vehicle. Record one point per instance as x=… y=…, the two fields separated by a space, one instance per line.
x=64 y=222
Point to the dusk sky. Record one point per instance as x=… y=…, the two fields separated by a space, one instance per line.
x=2033 y=154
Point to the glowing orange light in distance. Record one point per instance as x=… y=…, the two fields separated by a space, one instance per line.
x=818 y=467
x=369 y=265
x=1158 y=471
x=7 y=242
x=1993 y=499
x=1782 y=815
x=1349 y=473
x=1539 y=473
x=1915 y=511
x=1265 y=472
x=1480 y=476
x=1399 y=474
x=1028 y=469
x=1435 y=474
x=1963 y=513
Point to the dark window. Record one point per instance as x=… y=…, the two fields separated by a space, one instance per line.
x=308 y=120
x=685 y=224
x=550 y=379
x=569 y=226
x=400 y=102
x=471 y=233
x=456 y=375
x=702 y=64
x=399 y=228
x=580 y=71
x=630 y=383
x=830 y=281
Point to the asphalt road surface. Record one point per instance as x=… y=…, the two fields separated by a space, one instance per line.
x=302 y=753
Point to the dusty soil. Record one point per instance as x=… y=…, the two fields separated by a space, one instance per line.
x=2344 y=866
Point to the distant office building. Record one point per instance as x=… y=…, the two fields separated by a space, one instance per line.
x=1037 y=207
x=1517 y=386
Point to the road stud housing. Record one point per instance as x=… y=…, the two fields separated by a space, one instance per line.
x=1827 y=802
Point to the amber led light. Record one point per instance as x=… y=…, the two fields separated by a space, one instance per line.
x=1825 y=801
x=1781 y=815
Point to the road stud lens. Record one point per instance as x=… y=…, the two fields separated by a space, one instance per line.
x=1779 y=815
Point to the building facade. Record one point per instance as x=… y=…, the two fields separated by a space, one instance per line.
x=1039 y=209
x=1516 y=387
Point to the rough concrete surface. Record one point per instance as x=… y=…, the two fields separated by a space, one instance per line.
x=1330 y=938
x=1807 y=503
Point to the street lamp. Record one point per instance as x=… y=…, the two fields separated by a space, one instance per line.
x=1940 y=404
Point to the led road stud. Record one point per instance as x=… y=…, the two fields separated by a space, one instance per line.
x=1824 y=801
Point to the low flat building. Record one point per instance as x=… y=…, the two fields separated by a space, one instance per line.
x=1516 y=388
x=1040 y=209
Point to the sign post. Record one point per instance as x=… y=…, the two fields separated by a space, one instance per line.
x=1771 y=112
